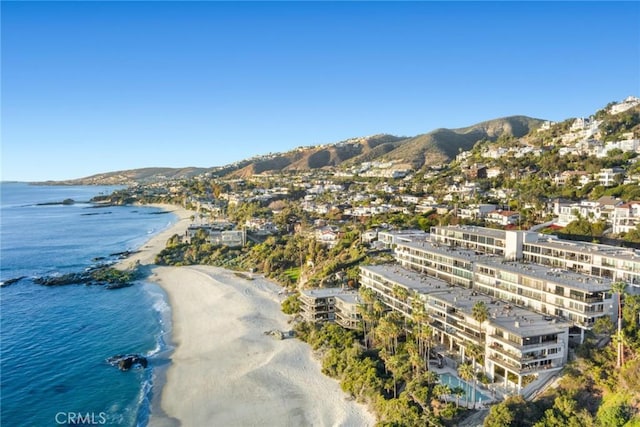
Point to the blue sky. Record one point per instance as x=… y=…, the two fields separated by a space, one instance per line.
x=90 y=87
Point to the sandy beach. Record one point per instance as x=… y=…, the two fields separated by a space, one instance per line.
x=224 y=370
x=146 y=254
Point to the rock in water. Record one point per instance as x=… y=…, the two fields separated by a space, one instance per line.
x=124 y=362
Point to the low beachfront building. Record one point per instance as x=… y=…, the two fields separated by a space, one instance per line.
x=330 y=305
x=219 y=235
x=348 y=310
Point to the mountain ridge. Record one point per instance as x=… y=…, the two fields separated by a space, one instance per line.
x=432 y=148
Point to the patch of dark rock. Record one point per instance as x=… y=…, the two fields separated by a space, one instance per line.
x=95 y=213
x=125 y=362
x=123 y=255
x=108 y=277
x=111 y=286
x=9 y=282
x=64 y=202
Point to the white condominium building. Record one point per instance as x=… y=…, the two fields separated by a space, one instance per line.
x=517 y=342
x=577 y=298
x=616 y=263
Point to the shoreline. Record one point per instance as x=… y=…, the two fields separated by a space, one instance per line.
x=220 y=367
x=144 y=258
x=145 y=254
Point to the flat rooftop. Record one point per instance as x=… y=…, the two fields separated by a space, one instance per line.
x=408 y=232
x=627 y=254
x=517 y=320
x=349 y=297
x=525 y=323
x=410 y=279
x=481 y=231
x=454 y=252
x=327 y=292
x=566 y=278
x=462 y=299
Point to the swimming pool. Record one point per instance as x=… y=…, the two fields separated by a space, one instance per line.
x=453 y=381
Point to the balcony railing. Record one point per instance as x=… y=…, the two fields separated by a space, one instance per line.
x=504 y=361
x=515 y=357
x=456 y=316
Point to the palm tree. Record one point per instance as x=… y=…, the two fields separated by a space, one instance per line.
x=424 y=332
x=415 y=359
x=466 y=373
x=441 y=390
x=366 y=312
x=474 y=351
x=618 y=288
x=397 y=364
x=389 y=330
x=400 y=293
x=457 y=391
x=480 y=313
x=426 y=335
x=419 y=389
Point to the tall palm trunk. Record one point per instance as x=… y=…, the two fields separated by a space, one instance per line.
x=620 y=361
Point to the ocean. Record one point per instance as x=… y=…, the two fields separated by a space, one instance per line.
x=54 y=341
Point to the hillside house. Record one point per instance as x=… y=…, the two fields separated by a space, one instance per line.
x=476 y=211
x=626 y=217
x=503 y=218
x=626 y=104
x=607 y=176
x=568 y=177
x=327 y=235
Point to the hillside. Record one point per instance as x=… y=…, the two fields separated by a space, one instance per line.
x=133 y=176
x=436 y=147
x=318 y=157
x=442 y=145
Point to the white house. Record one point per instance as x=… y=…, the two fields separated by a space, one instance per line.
x=626 y=104
x=607 y=176
x=476 y=211
x=626 y=217
x=565 y=177
x=503 y=217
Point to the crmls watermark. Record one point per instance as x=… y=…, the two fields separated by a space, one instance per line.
x=81 y=418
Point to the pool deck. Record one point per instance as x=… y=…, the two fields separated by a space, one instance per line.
x=497 y=391
x=492 y=392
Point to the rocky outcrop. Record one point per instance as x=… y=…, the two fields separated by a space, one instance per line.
x=9 y=282
x=65 y=279
x=108 y=277
x=124 y=362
